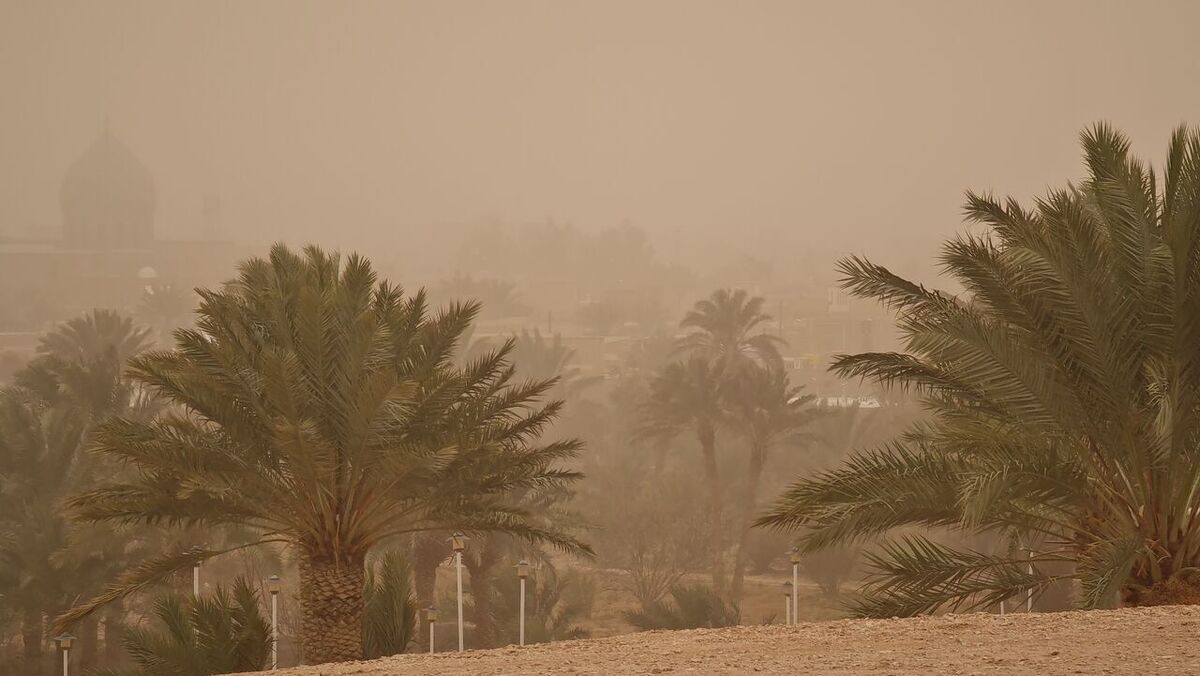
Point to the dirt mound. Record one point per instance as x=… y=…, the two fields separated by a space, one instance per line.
x=1132 y=641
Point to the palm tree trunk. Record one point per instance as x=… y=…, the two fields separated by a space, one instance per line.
x=708 y=447
x=481 y=597
x=31 y=637
x=114 y=633
x=749 y=501
x=331 y=609
x=429 y=550
x=89 y=641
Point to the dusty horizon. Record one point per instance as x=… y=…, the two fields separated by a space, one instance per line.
x=722 y=129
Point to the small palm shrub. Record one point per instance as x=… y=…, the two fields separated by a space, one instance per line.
x=390 y=616
x=218 y=634
x=690 y=607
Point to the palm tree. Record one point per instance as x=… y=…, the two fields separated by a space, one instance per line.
x=96 y=335
x=690 y=607
x=166 y=307
x=81 y=363
x=79 y=371
x=728 y=329
x=540 y=358
x=390 y=609
x=222 y=633
x=1065 y=391
x=38 y=446
x=319 y=408
x=770 y=412
x=685 y=396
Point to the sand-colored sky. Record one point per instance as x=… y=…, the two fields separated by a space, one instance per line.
x=718 y=126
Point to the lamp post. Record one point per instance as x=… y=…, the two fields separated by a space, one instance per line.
x=273 y=586
x=1029 y=592
x=458 y=542
x=196 y=579
x=64 y=644
x=522 y=572
x=431 y=618
x=795 y=559
x=787 y=601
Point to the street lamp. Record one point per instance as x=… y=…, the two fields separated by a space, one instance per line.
x=787 y=601
x=1029 y=592
x=196 y=579
x=522 y=572
x=431 y=618
x=64 y=644
x=458 y=542
x=795 y=558
x=273 y=586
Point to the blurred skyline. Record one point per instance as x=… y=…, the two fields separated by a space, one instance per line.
x=722 y=128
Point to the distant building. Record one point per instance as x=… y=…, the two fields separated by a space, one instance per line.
x=107 y=252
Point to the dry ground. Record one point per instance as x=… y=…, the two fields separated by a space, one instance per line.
x=1131 y=641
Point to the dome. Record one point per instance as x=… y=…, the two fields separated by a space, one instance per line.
x=108 y=198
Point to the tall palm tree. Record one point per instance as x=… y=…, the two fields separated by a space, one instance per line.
x=95 y=335
x=770 y=412
x=728 y=328
x=81 y=363
x=80 y=371
x=685 y=397
x=38 y=447
x=319 y=407
x=1065 y=390
x=540 y=358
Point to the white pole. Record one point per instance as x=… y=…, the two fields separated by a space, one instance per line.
x=66 y=661
x=458 y=566
x=522 y=611
x=1029 y=592
x=787 y=608
x=431 y=637
x=795 y=593
x=196 y=580
x=274 y=630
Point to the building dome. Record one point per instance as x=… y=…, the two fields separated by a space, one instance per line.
x=108 y=198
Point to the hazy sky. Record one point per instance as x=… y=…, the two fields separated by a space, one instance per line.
x=853 y=125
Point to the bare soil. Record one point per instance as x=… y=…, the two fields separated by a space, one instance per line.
x=1130 y=641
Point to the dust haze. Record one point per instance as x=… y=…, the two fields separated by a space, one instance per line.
x=653 y=215
x=770 y=129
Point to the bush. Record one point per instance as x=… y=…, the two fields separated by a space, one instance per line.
x=217 y=634
x=390 y=610
x=690 y=607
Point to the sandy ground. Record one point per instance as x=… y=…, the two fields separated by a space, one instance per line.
x=1133 y=641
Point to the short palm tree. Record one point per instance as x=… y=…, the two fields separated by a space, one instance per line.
x=390 y=615
x=222 y=633
x=690 y=607
x=318 y=407
x=1065 y=390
